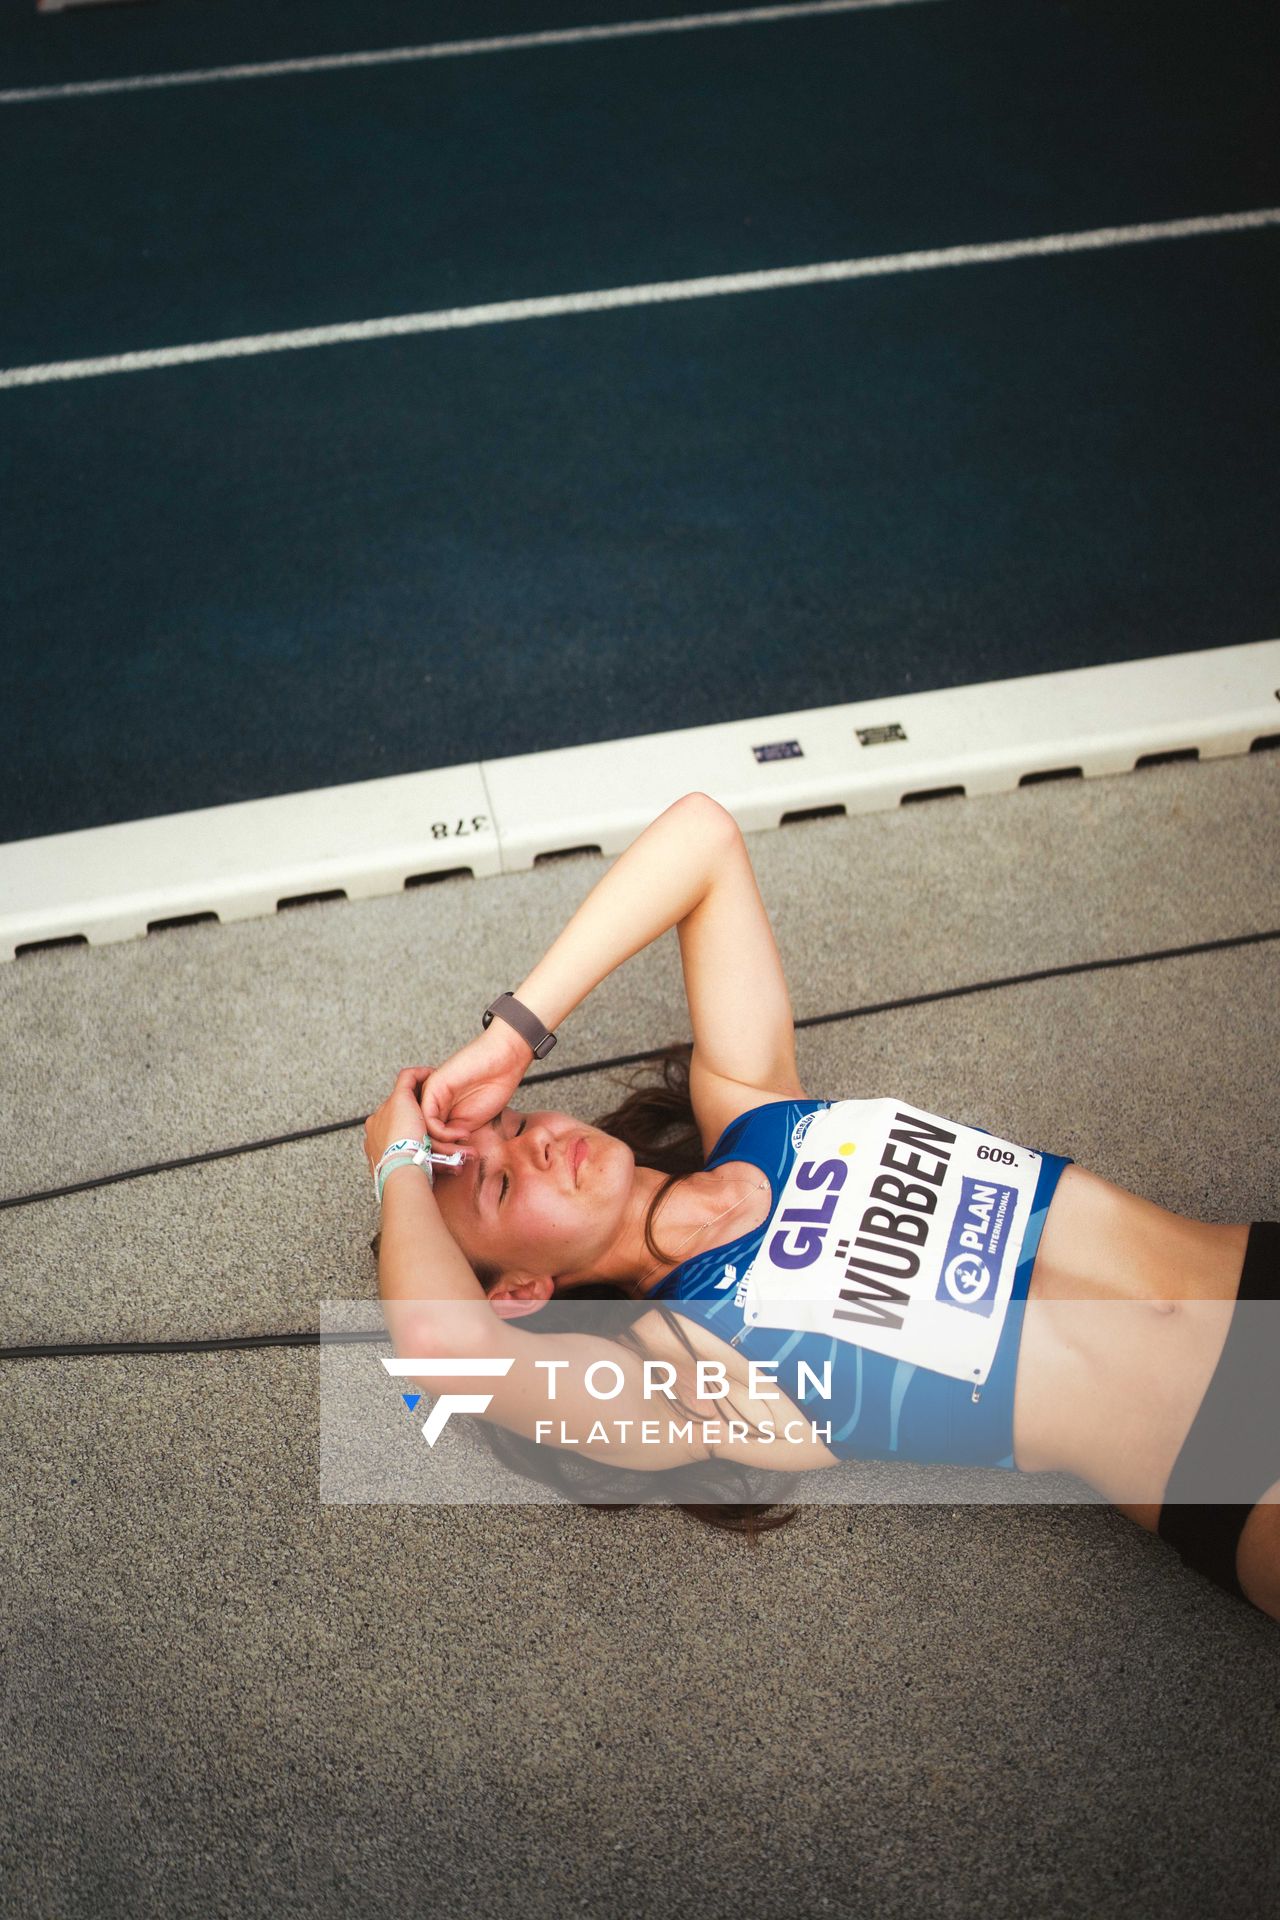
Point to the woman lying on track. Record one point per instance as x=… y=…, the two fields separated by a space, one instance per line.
x=873 y=1281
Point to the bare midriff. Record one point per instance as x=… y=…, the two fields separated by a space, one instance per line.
x=1127 y=1315
x=1127 y=1312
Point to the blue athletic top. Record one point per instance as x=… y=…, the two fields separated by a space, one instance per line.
x=880 y=1408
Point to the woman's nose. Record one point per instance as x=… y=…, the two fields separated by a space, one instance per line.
x=535 y=1143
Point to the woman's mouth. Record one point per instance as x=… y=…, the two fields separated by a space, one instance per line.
x=577 y=1154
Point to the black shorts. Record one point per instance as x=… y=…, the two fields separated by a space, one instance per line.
x=1238 y=1420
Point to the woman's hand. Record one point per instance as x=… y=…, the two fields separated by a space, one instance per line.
x=474 y=1084
x=398 y=1118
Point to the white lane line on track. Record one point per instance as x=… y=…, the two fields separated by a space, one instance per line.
x=451 y=319
x=443 y=50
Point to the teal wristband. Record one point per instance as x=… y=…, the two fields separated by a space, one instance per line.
x=400 y=1160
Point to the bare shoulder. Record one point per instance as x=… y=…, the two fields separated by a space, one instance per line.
x=718 y=1101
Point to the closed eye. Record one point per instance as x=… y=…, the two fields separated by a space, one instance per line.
x=505 y=1181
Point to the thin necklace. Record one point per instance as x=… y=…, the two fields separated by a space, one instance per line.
x=702 y=1228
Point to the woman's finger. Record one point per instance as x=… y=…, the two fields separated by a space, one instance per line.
x=432 y=1119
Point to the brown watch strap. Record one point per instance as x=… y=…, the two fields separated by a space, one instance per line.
x=527 y=1025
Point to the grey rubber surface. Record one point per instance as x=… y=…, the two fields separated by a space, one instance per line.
x=225 y=1697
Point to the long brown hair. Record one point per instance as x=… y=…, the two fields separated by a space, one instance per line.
x=656 y=1121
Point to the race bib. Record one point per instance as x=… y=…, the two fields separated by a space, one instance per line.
x=898 y=1231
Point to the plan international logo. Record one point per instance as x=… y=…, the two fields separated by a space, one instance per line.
x=975 y=1248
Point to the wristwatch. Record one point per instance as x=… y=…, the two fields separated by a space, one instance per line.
x=526 y=1024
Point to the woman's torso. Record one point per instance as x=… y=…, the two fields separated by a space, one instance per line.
x=1099 y=1373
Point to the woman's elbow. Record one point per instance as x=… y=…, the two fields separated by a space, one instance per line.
x=706 y=808
x=440 y=1329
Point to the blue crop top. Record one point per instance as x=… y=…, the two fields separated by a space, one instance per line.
x=879 y=1408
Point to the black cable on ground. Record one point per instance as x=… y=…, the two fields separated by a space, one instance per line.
x=637 y=1059
x=227 y=1344
x=311 y=1339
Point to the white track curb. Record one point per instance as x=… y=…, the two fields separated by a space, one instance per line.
x=241 y=861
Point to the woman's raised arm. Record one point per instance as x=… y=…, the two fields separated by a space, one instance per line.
x=663 y=875
x=656 y=884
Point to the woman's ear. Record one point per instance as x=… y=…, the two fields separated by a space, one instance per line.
x=507 y=1308
x=515 y=1294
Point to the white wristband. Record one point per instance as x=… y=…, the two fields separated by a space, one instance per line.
x=413 y=1153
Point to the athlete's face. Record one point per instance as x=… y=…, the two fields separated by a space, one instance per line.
x=527 y=1201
